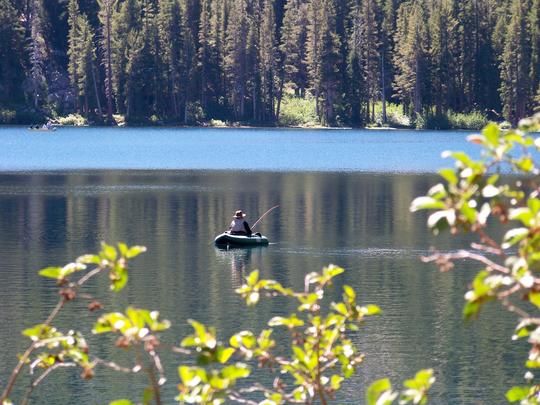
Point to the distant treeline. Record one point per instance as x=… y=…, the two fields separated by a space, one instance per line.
x=188 y=61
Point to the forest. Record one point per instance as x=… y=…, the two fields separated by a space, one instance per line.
x=192 y=61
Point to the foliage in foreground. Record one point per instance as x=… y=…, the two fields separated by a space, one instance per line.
x=472 y=195
x=320 y=354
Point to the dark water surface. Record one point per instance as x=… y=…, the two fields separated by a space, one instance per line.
x=357 y=220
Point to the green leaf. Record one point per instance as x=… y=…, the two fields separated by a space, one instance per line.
x=339 y=307
x=224 y=354
x=523 y=214
x=135 y=251
x=526 y=164
x=459 y=156
x=517 y=393
x=469 y=213
x=492 y=133
x=51 y=272
x=440 y=219
x=425 y=203
x=335 y=381
x=490 y=191
x=108 y=252
x=252 y=278
x=290 y=322
x=89 y=259
x=380 y=393
x=239 y=370
x=514 y=236
x=449 y=175
x=121 y=402
x=534 y=297
x=370 y=310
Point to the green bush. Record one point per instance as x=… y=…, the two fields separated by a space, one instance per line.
x=298 y=111
x=474 y=120
x=395 y=116
x=7 y=116
x=310 y=368
x=195 y=114
x=451 y=120
x=470 y=198
x=75 y=120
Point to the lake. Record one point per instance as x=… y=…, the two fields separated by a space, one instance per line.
x=344 y=198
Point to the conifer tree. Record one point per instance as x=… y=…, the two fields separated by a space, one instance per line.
x=106 y=8
x=37 y=49
x=534 y=32
x=171 y=45
x=11 y=53
x=141 y=69
x=125 y=21
x=234 y=63
x=442 y=61
x=268 y=60
x=323 y=59
x=410 y=57
x=86 y=67
x=293 y=59
x=73 y=50
x=515 y=80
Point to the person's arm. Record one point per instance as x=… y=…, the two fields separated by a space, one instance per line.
x=247 y=228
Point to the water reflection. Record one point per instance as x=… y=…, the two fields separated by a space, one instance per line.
x=358 y=221
x=242 y=260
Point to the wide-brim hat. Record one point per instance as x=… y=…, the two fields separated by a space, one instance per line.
x=239 y=214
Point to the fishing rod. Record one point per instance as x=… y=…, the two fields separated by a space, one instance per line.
x=263 y=215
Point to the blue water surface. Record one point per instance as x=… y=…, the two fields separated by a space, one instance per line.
x=396 y=151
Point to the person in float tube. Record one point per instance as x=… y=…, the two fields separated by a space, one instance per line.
x=239 y=226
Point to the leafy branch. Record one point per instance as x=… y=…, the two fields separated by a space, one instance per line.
x=474 y=194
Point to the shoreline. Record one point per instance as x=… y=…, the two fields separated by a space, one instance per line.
x=281 y=127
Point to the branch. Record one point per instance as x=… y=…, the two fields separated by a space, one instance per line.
x=115 y=366
x=54 y=313
x=464 y=254
x=41 y=378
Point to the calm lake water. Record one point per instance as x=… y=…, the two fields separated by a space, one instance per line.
x=344 y=199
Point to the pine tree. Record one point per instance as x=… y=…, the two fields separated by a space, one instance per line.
x=125 y=21
x=73 y=51
x=234 y=63
x=515 y=80
x=141 y=69
x=388 y=27
x=534 y=32
x=11 y=53
x=171 y=43
x=323 y=58
x=292 y=64
x=410 y=58
x=364 y=47
x=356 y=91
x=86 y=67
x=37 y=49
x=106 y=8
x=442 y=62
x=268 y=61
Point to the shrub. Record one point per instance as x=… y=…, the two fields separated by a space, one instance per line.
x=469 y=199
x=319 y=355
x=7 y=116
x=298 y=111
x=451 y=120
x=474 y=120
x=75 y=120
x=395 y=116
x=195 y=114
